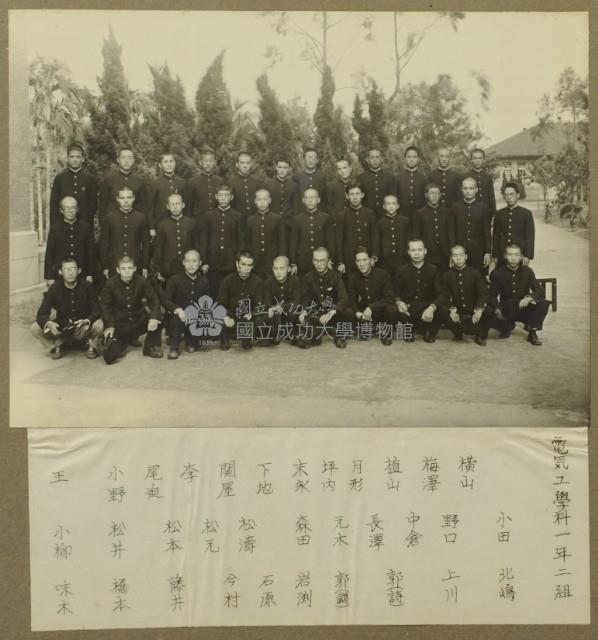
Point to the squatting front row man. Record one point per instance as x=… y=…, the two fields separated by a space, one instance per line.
x=325 y=300
x=282 y=297
x=371 y=296
x=418 y=294
x=77 y=321
x=123 y=302
x=183 y=290
x=517 y=295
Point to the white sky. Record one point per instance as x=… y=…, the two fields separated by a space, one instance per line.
x=522 y=54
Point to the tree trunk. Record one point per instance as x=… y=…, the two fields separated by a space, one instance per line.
x=48 y=154
x=324 y=39
x=40 y=212
x=397 y=60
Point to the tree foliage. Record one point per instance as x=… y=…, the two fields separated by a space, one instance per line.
x=567 y=108
x=110 y=115
x=431 y=116
x=372 y=129
x=214 y=110
x=275 y=128
x=331 y=129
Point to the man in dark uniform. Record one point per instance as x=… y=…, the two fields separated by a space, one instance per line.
x=265 y=235
x=121 y=177
x=469 y=226
x=517 y=296
x=484 y=181
x=124 y=302
x=325 y=301
x=391 y=234
x=371 y=296
x=124 y=233
x=77 y=314
x=176 y=235
x=513 y=224
x=78 y=183
x=220 y=239
x=203 y=187
x=244 y=186
x=241 y=294
x=431 y=224
x=417 y=294
x=354 y=228
x=183 y=290
x=282 y=297
x=311 y=228
x=311 y=177
x=70 y=237
x=283 y=191
x=336 y=190
x=466 y=293
x=411 y=183
x=166 y=184
x=446 y=179
x=376 y=182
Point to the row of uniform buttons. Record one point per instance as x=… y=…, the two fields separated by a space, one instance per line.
x=128 y=299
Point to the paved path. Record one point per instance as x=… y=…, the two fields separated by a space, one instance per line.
x=508 y=383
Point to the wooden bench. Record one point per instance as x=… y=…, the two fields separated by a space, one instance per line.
x=543 y=282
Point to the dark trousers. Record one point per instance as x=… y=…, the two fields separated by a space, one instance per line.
x=533 y=315
x=281 y=327
x=178 y=330
x=125 y=333
x=465 y=324
x=244 y=330
x=315 y=329
x=414 y=318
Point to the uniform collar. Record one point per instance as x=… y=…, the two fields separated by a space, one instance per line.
x=75 y=170
x=223 y=210
x=126 y=213
x=168 y=175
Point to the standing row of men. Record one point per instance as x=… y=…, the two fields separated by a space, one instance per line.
x=286 y=187
x=223 y=230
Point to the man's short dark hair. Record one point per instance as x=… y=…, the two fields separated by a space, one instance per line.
x=244 y=153
x=477 y=150
x=245 y=253
x=124 y=148
x=362 y=249
x=75 y=146
x=512 y=185
x=126 y=260
x=353 y=185
x=411 y=147
x=415 y=240
x=430 y=185
x=308 y=149
x=513 y=245
x=67 y=260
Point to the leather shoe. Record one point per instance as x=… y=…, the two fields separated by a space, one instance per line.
x=532 y=338
x=302 y=343
x=386 y=341
x=173 y=354
x=340 y=343
x=480 y=341
x=428 y=337
x=56 y=352
x=246 y=344
x=91 y=353
x=153 y=352
x=410 y=338
x=224 y=345
x=504 y=335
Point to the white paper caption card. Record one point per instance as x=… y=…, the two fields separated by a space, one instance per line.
x=196 y=527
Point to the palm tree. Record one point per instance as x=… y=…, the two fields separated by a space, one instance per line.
x=56 y=109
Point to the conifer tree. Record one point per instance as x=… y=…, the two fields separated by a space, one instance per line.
x=214 y=111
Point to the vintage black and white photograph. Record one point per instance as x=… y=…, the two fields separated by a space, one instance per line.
x=298 y=218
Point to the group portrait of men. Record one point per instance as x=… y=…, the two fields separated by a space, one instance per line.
x=296 y=257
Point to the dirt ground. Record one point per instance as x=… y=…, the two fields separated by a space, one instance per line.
x=508 y=383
